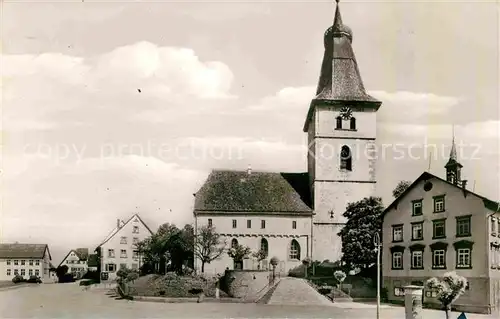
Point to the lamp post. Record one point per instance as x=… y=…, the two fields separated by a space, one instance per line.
x=376 y=241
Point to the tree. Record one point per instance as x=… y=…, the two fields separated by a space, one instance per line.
x=364 y=220
x=208 y=246
x=400 y=188
x=61 y=271
x=260 y=255
x=448 y=289
x=168 y=245
x=239 y=252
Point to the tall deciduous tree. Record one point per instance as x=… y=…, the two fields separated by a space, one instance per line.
x=364 y=220
x=208 y=245
x=400 y=188
x=168 y=244
x=448 y=289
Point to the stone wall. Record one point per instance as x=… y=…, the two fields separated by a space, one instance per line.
x=245 y=284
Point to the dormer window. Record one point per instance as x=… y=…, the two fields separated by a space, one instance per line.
x=339 y=122
x=345 y=158
x=352 y=125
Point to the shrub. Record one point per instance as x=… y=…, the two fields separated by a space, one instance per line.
x=274 y=261
x=87 y=282
x=66 y=278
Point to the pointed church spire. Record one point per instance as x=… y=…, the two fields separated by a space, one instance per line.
x=340 y=80
x=453 y=167
x=453 y=151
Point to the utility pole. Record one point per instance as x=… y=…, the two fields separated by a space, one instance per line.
x=376 y=241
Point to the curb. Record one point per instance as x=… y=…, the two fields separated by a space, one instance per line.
x=17 y=287
x=185 y=300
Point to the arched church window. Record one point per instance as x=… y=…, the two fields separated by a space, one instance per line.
x=353 y=123
x=234 y=243
x=339 y=122
x=264 y=246
x=294 y=250
x=346 y=158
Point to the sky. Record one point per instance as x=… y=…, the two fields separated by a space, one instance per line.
x=111 y=108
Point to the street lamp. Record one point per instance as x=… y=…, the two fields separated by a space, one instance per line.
x=378 y=244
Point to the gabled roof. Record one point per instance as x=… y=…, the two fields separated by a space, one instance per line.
x=116 y=230
x=24 y=251
x=81 y=253
x=488 y=203
x=258 y=192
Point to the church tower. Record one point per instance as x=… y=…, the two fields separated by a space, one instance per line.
x=453 y=167
x=341 y=128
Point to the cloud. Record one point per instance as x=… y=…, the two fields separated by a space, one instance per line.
x=140 y=77
x=413 y=107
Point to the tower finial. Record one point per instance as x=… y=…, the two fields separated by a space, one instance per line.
x=453 y=151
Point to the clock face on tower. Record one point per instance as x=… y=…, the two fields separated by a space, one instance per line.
x=346 y=113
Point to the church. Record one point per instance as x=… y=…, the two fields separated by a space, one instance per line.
x=293 y=216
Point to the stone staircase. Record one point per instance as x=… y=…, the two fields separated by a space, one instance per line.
x=297 y=291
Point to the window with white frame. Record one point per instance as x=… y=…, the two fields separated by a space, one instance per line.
x=135 y=230
x=397 y=233
x=123 y=253
x=417 y=207
x=31 y=262
x=8 y=272
x=463 y=226
x=398 y=290
x=111 y=253
x=110 y=267
x=235 y=223
x=135 y=240
x=123 y=240
x=417 y=259
x=8 y=262
x=463 y=258
x=294 y=250
x=439 y=204
x=23 y=272
x=397 y=260
x=135 y=254
x=439 y=258
x=37 y=272
x=16 y=262
x=417 y=231
x=493 y=226
x=30 y=272
x=23 y=262
x=37 y=262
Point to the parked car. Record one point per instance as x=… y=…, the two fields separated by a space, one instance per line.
x=34 y=280
x=18 y=279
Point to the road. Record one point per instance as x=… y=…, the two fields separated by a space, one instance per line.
x=71 y=301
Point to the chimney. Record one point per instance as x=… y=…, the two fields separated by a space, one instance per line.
x=249 y=169
x=118 y=224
